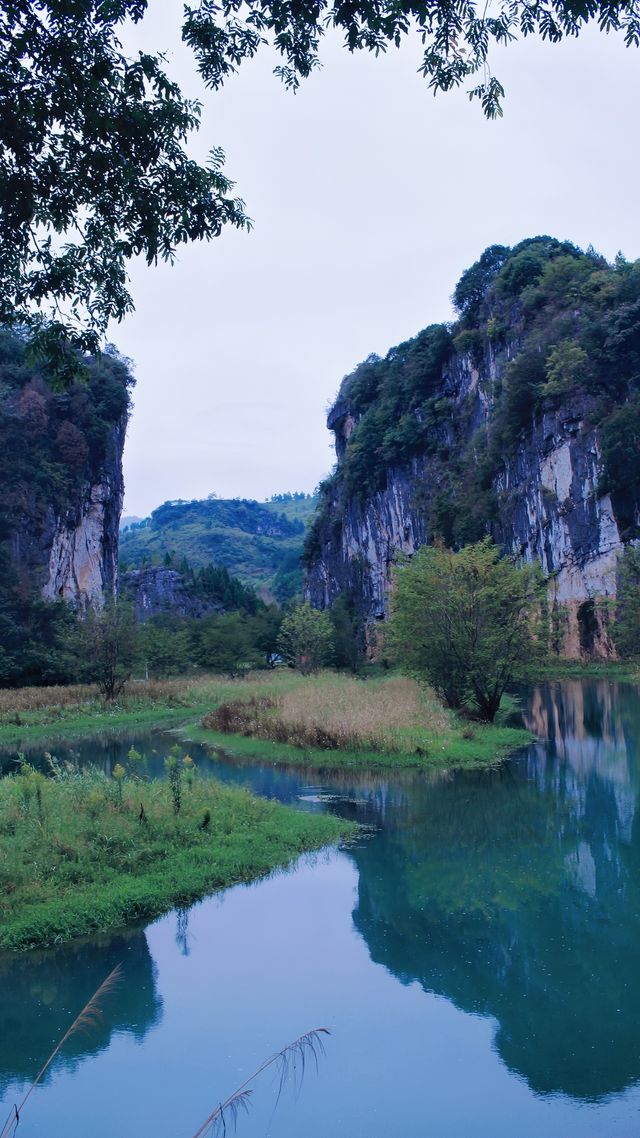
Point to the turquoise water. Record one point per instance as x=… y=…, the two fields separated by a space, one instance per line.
x=475 y=956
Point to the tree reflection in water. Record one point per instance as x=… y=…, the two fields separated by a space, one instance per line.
x=41 y=993
x=516 y=894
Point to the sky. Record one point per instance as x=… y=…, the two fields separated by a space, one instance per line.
x=369 y=198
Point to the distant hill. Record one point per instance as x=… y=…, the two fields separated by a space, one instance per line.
x=259 y=542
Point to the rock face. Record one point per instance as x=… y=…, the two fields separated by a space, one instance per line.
x=551 y=511
x=548 y=507
x=60 y=480
x=82 y=566
x=156 y=591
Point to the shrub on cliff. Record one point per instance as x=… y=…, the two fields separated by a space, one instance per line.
x=463 y=621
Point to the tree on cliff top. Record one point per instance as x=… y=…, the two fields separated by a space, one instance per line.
x=93 y=165
x=463 y=621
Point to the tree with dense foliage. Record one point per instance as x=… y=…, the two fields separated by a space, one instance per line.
x=107 y=645
x=463 y=621
x=94 y=165
x=626 y=628
x=227 y=643
x=305 y=640
x=164 y=646
x=348 y=634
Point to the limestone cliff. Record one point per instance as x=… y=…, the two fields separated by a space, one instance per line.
x=61 y=483
x=497 y=426
x=82 y=566
x=158 y=590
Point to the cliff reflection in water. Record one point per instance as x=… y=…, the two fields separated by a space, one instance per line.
x=41 y=993
x=515 y=894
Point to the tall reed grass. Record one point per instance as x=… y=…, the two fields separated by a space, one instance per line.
x=333 y=712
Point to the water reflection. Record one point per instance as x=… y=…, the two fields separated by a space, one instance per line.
x=41 y=993
x=515 y=894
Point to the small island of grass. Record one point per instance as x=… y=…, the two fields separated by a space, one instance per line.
x=330 y=720
x=81 y=852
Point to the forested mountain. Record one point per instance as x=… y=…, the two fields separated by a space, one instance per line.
x=258 y=542
x=61 y=478
x=521 y=421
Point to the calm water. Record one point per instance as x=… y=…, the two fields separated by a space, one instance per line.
x=476 y=958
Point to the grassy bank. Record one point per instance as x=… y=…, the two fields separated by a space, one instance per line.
x=324 y=721
x=619 y=671
x=331 y=720
x=81 y=852
x=30 y=716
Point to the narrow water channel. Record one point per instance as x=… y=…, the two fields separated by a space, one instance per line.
x=476 y=957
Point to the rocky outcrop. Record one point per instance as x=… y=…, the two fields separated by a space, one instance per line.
x=548 y=507
x=158 y=591
x=551 y=510
x=82 y=565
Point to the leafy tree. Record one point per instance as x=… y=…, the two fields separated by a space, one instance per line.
x=306 y=638
x=107 y=641
x=566 y=365
x=626 y=628
x=94 y=167
x=265 y=629
x=348 y=637
x=620 y=438
x=164 y=646
x=474 y=282
x=226 y=643
x=463 y=621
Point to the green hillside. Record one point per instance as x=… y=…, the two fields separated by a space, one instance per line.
x=259 y=542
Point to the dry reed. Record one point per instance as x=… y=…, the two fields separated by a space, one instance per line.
x=291 y=1060
x=334 y=713
x=14 y=701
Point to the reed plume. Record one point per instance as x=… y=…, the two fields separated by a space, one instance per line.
x=292 y=1061
x=90 y=1015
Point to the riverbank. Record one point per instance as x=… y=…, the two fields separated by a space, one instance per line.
x=31 y=717
x=548 y=671
x=82 y=852
x=327 y=721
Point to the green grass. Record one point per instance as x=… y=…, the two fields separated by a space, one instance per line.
x=381 y=721
x=622 y=671
x=76 y=859
x=489 y=746
x=31 y=716
x=330 y=721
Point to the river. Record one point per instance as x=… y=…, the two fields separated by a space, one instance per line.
x=475 y=955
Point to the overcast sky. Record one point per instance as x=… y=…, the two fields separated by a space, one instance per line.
x=369 y=199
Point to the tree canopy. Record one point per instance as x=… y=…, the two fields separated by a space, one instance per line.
x=305 y=639
x=626 y=628
x=94 y=168
x=463 y=621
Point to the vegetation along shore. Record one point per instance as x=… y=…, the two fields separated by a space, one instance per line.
x=325 y=720
x=81 y=852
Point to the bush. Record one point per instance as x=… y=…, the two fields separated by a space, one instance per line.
x=305 y=639
x=463 y=621
x=626 y=628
